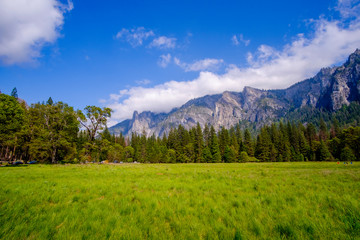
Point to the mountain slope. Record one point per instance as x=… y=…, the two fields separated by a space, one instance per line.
x=329 y=89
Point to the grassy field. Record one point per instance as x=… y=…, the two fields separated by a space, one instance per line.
x=181 y=201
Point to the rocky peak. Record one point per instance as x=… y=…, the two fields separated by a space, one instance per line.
x=135 y=115
x=354 y=58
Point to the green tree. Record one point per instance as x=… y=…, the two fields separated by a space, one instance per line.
x=128 y=153
x=94 y=119
x=229 y=154
x=198 y=144
x=50 y=101
x=248 y=145
x=347 y=155
x=214 y=146
x=53 y=130
x=207 y=157
x=115 y=153
x=12 y=117
x=243 y=157
x=206 y=135
x=323 y=152
x=263 y=146
x=14 y=93
x=323 y=133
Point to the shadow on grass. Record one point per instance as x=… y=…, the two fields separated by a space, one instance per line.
x=16 y=165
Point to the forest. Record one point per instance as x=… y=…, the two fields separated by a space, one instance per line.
x=52 y=132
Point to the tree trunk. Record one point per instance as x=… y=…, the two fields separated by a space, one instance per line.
x=6 y=153
x=53 y=160
x=14 y=153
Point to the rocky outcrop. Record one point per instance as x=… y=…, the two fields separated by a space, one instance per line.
x=331 y=88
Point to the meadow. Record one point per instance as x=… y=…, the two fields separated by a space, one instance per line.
x=309 y=200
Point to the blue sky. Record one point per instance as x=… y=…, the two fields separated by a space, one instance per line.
x=156 y=55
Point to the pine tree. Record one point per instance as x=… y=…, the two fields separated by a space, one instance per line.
x=198 y=144
x=248 y=145
x=323 y=134
x=224 y=140
x=214 y=146
x=229 y=154
x=50 y=101
x=206 y=135
x=14 y=93
x=310 y=132
x=263 y=145
x=323 y=152
x=207 y=157
x=335 y=128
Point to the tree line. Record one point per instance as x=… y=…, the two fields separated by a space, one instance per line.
x=56 y=133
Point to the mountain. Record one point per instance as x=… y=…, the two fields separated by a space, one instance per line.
x=330 y=89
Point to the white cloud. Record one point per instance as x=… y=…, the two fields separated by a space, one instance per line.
x=164 y=60
x=26 y=26
x=269 y=68
x=135 y=36
x=143 y=82
x=237 y=39
x=163 y=42
x=207 y=64
x=349 y=8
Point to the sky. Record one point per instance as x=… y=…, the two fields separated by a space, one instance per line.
x=156 y=55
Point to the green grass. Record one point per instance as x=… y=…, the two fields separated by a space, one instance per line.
x=181 y=201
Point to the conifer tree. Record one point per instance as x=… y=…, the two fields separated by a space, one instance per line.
x=323 y=152
x=206 y=135
x=229 y=154
x=214 y=146
x=14 y=93
x=323 y=130
x=207 y=157
x=198 y=144
x=50 y=101
x=248 y=145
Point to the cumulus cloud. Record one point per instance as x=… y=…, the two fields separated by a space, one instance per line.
x=237 y=39
x=163 y=42
x=164 y=60
x=26 y=26
x=329 y=43
x=208 y=64
x=135 y=36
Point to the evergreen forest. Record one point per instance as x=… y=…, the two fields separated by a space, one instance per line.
x=53 y=132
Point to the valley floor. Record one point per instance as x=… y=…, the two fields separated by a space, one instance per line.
x=311 y=200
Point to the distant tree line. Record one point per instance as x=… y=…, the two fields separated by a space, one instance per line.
x=56 y=133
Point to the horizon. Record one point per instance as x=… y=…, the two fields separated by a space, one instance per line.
x=157 y=56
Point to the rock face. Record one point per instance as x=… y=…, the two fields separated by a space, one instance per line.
x=330 y=89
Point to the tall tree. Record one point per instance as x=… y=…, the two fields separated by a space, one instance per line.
x=248 y=145
x=50 y=101
x=53 y=130
x=198 y=144
x=323 y=152
x=323 y=133
x=214 y=146
x=14 y=93
x=94 y=119
x=11 y=122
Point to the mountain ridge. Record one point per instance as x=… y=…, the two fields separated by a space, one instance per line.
x=330 y=89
